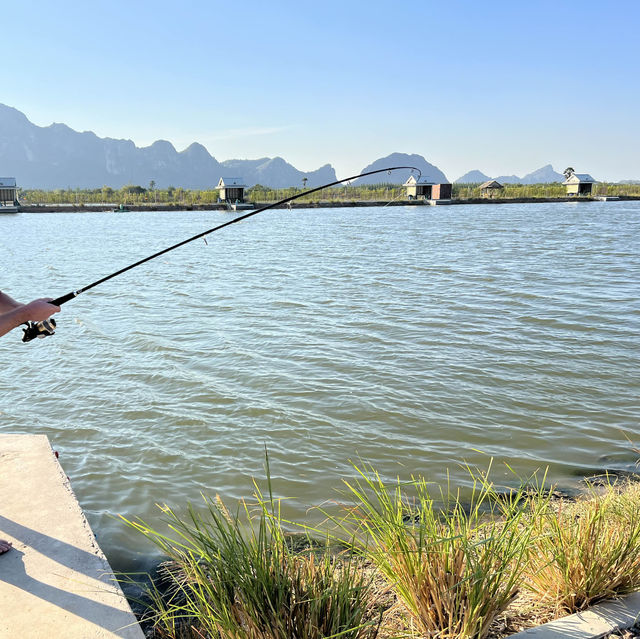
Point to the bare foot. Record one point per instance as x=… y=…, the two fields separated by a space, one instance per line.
x=4 y=546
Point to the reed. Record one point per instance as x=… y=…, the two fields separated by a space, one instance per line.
x=454 y=563
x=236 y=576
x=455 y=567
x=586 y=551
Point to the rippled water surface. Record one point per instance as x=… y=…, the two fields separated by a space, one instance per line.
x=413 y=338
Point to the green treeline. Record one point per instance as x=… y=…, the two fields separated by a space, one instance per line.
x=134 y=194
x=130 y=194
x=138 y=195
x=550 y=190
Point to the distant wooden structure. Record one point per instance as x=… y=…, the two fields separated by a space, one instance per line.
x=422 y=188
x=441 y=191
x=231 y=190
x=8 y=194
x=579 y=184
x=490 y=188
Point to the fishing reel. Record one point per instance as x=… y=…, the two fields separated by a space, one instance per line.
x=39 y=329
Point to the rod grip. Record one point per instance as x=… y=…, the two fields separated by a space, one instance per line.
x=65 y=298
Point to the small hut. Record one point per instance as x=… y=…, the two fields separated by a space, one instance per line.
x=579 y=184
x=231 y=189
x=490 y=188
x=418 y=188
x=8 y=192
x=422 y=188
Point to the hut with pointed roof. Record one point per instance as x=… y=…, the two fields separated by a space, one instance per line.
x=423 y=188
x=490 y=188
x=418 y=187
x=579 y=184
x=231 y=189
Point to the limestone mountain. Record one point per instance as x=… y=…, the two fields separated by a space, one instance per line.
x=429 y=171
x=277 y=173
x=473 y=177
x=56 y=156
x=542 y=175
x=507 y=179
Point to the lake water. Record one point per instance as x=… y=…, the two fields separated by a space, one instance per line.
x=414 y=338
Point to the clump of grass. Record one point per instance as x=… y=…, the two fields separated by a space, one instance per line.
x=455 y=567
x=236 y=576
x=586 y=551
x=454 y=563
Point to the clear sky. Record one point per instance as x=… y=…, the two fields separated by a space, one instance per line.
x=504 y=87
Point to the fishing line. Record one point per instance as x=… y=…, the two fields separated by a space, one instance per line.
x=46 y=328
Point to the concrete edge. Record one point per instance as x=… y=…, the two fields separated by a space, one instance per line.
x=57 y=577
x=594 y=623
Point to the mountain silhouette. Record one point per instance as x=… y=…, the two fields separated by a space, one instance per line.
x=543 y=175
x=473 y=177
x=277 y=173
x=429 y=171
x=56 y=156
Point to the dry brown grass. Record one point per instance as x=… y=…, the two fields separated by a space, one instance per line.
x=483 y=571
x=587 y=550
x=454 y=567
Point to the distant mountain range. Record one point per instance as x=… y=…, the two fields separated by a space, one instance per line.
x=428 y=171
x=542 y=175
x=275 y=172
x=56 y=156
x=473 y=177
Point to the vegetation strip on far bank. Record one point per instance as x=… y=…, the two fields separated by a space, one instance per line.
x=135 y=195
x=404 y=560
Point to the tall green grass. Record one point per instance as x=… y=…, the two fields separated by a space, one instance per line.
x=236 y=576
x=455 y=567
x=454 y=562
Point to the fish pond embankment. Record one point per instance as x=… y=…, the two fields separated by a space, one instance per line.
x=214 y=206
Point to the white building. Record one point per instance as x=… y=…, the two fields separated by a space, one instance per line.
x=231 y=189
x=8 y=195
x=579 y=184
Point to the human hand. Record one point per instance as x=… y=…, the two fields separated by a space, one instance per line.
x=39 y=310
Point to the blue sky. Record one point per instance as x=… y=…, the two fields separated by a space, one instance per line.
x=504 y=87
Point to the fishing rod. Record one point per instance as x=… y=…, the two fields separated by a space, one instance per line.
x=47 y=327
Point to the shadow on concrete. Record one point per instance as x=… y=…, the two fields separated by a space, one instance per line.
x=56 y=549
x=13 y=572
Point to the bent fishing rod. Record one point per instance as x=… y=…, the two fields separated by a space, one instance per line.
x=47 y=327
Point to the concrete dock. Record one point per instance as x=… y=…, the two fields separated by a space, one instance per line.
x=55 y=581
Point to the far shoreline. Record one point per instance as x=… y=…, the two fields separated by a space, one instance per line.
x=170 y=206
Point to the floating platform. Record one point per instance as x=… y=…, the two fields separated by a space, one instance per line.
x=240 y=206
x=55 y=581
